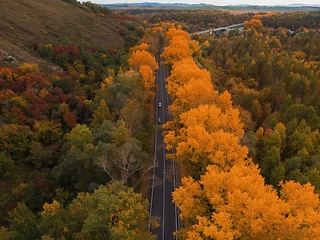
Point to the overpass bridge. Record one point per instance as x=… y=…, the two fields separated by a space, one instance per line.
x=221 y=29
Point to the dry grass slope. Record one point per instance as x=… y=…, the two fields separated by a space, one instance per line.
x=25 y=22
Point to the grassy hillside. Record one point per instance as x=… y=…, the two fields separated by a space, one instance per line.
x=89 y=48
x=28 y=22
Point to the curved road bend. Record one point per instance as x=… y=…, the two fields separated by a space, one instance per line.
x=164 y=180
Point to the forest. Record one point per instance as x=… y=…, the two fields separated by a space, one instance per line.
x=76 y=142
x=246 y=130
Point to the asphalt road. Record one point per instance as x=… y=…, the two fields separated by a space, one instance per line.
x=164 y=179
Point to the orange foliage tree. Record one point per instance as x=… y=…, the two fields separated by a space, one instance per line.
x=178 y=49
x=209 y=135
x=140 y=58
x=176 y=32
x=182 y=72
x=256 y=23
x=144 y=63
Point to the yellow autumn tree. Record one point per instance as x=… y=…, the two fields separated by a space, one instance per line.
x=177 y=50
x=140 y=58
x=144 y=63
x=208 y=136
x=189 y=87
x=246 y=24
x=143 y=86
x=191 y=95
x=181 y=74
x=171 y=33
x=53 y=220
x=195 y=47
x=256 y=23
x=148 y=78
x=257 y=16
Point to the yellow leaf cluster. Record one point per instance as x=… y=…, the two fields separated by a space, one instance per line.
x=144 y=63
x=142 y=57
x=181 y=74
x=189 y=199
x=206 y=43
x=29 y=68
x=43 y=93
x=107 y=80
x=141 y=47
x=171 y=33
x=52 y=209
x=256 y=23
x=148 y=77
x=178 y=49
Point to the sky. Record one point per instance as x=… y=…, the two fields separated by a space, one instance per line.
x=216 y=2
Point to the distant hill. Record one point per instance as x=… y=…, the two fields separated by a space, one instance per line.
x=256 y=8
x=203 y=6
x=304 y=5
x=154 y=5
x=28 y=22
x=294 y=5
